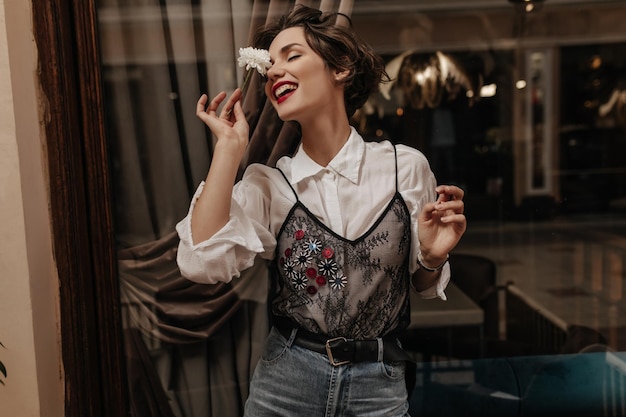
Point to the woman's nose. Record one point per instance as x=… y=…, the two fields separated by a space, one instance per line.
x=274 y=72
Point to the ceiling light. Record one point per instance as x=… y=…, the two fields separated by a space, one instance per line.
x=527 y=5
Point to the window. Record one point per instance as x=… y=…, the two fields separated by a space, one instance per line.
x=536 y=99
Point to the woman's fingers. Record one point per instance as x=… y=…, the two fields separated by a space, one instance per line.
x=211 y=109
x=449 y=193
x=449 y=197
x=208 y=113
x=201 y=105
x=228 y=108
x=231 y=124
x=456 y=206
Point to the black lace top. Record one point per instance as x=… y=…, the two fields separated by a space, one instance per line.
x=352 y=288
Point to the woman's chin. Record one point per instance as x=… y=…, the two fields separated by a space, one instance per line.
x=285 y=116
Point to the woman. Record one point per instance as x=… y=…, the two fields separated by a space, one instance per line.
x=347 y=225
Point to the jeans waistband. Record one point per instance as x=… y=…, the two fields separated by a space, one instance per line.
x=341 y=350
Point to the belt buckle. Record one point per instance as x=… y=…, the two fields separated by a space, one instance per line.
x=329 y=351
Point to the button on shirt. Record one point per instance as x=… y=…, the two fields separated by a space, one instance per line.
x=348 y=196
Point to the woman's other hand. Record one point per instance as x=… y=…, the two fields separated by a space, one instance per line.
x=441 y=224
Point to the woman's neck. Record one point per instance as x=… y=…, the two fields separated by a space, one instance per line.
x=323 y=139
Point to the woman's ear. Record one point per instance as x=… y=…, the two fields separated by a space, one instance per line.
x=341 y=74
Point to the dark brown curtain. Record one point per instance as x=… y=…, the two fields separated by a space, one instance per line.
x=158 y=57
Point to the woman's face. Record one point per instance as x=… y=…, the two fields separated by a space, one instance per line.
x=299 y=84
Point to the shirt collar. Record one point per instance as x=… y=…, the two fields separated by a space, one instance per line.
x=346 y=163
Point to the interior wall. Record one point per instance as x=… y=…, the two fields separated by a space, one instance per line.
x=491 y=28
x=28 y=283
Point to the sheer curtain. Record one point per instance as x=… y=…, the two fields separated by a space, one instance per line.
x=158 y=56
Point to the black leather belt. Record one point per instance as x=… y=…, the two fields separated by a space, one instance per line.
x=341 y=350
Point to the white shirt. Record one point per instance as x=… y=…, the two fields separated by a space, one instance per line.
x=348 y=195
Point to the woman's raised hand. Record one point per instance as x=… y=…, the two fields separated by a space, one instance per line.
x=230 y=127
x=211 y=211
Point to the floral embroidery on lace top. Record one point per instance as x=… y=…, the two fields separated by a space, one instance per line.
x=334 y=286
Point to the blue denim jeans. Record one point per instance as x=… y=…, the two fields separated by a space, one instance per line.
x=292 y=381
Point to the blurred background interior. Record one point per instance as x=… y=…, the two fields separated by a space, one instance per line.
x=520 y=103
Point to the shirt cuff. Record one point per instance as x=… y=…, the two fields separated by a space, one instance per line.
x=223 y=256
x=437 y=290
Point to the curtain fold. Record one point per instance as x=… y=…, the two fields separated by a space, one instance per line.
x=158 y=57
x=168 y=307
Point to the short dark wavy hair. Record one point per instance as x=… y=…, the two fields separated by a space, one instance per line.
x=338 y=46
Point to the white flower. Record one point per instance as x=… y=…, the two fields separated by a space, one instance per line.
x=258 y=59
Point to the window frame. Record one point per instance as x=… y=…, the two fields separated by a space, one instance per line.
x=69 y=74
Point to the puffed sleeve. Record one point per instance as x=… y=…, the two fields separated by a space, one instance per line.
x=417 y=184
x=233 y=248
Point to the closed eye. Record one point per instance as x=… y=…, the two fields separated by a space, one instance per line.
x=292 y=57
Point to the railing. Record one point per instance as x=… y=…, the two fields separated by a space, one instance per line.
x=531 y=325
